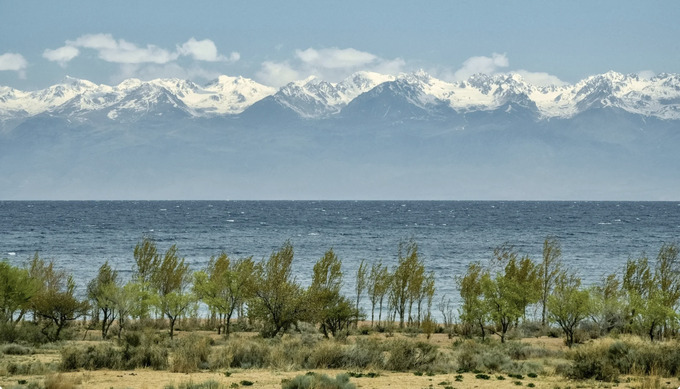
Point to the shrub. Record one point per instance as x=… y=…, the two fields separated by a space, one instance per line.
x=248 y=353
x=15 y=349
x=220 y=358
x=327 y=355
x=210 y=384
x=291 y=352
x=60 y=381
x=363 y=353
x=406 y=355
x=154 y=356
x=494 y=359
x=606 y=360
x=518 y=350
x=341 y=381
x=191 y=354
x=469 y=356
x=24 y=332
x=100 y=356
x=29 y=368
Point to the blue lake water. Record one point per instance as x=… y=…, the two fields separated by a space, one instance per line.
x=596 y=237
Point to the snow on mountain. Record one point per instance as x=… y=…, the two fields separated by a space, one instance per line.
x=313 y=98
x=15 y=102
x=231 y=95
x=81 y=99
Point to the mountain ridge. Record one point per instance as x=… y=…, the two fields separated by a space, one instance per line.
x=371 y=136
x=316 y=99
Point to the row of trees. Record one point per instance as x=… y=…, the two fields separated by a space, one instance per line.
x=643 y=299
x=495 y=297
x=266 y=292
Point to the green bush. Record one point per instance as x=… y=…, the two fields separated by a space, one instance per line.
x=407 y=355
x=327 y=355
x=248 y=353
x=469 y=356
x=24 y=332
x=106 y=356
x=15 y=349
x=291 y=352
x=210 y=384
x=607 y=360
x=29 y=368
x=220 y=358
x=318 y=381
x=155 y=357
x=495 y=359
x=191 y=354
x=363 y=353
x=100 y=356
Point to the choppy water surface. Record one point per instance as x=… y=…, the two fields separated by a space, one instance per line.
x=597 y=237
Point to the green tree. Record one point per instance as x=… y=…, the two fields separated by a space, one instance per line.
x=278 y=301
x=548 y=271
x=223 y=287
x=170 y=279
x=525 y=274
x=568 y=304
x=328 y=307
x=360 y=285
x=125 y=300
x=102 y=292
x=415 y=289
x=504 y=294
x=54 y=303
x=667 y=275
x=474 y=311
x=407 y=280
x=379 y=280
x=428 y=295
x=147 y=260
x=607 y=302
x=16 y=291
x=653 y=292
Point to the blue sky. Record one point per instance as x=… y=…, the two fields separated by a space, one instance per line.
x=275 y=42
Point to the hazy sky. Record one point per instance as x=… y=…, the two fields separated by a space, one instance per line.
x=275 y=42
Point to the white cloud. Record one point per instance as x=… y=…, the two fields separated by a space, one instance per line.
x=539 y=78
x=331 y=64
x=495 y=64
x=14 y=62
x=121 y=51
x=205 y=50
x=481 y=64
x=335 y=58
x=146 y=72
x=277 y=73
x=61 y=55
x=393 y=67
x=646 y=74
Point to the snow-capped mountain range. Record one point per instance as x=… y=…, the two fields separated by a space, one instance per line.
x=132 y=99
x=370 y=136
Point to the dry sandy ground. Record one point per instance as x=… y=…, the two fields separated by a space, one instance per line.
x=148 y=379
